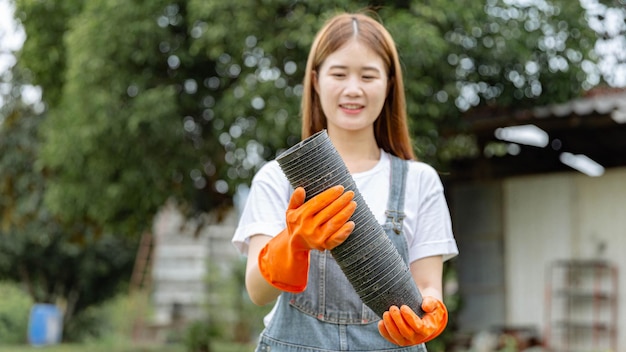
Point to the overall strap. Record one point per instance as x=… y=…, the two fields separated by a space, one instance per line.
x=395 y=204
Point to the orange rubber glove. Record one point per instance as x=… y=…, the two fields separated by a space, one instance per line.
x=404 y=328
x=320 y=223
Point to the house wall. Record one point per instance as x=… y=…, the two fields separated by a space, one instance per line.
x=181 y=272
x=560 y=216
x=477 y=220
x=537 y=230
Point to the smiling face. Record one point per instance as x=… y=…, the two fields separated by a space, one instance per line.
x=355 y=43
x=352 y=85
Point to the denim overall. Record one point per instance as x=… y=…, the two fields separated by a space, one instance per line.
x=329 y=315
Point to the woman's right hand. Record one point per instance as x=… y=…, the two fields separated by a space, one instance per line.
x=320 y=223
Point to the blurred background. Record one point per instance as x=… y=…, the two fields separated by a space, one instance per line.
x=129 y=133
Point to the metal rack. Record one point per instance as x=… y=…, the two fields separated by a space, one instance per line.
x=581 y=306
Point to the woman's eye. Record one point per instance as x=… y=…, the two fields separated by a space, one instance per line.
x=338 y=75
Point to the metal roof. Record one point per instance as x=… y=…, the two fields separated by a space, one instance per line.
x=613 y=104
x=594 y=126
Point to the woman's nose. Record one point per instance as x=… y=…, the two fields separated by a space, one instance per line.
x=353 y=86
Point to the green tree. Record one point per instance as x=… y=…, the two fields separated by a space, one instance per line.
x=148 y=100
x=153 y=99
x=114 y=141
x=608 y=19
x=74 y=267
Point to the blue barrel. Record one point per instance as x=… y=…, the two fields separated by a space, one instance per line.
x=45 y=325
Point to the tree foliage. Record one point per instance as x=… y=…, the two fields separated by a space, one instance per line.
x=155 y=99
x=73 y=266
x=147 y=100
x=608 y=19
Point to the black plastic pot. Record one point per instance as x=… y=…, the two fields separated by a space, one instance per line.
x=368 y=258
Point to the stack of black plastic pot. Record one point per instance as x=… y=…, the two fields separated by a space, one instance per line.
x=368 y=258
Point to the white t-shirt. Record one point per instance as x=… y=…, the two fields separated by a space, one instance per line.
x=427 y=225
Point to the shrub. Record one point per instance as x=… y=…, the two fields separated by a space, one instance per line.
x=199 y=335
x=14 y=312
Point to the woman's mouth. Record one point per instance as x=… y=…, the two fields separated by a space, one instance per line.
x=351 y=108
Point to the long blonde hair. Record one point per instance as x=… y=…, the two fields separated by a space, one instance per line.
x=390 y=129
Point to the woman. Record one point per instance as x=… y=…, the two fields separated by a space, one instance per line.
x=353 y=88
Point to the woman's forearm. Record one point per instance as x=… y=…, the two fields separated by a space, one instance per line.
x=427 y=273
x=259 y=290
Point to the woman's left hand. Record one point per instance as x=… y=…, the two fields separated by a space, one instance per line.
x=403 y=327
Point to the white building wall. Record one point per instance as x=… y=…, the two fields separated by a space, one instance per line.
x=180 y=271
x=537 y=227
x=560 y=216
x=602 y=230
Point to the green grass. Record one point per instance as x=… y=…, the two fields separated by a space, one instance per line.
x=92 y=348
x=117 y=317
x=230 y=347
x=122 y=347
